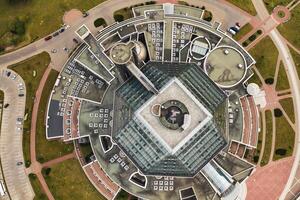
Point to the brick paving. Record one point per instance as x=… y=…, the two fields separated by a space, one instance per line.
x=267 y=183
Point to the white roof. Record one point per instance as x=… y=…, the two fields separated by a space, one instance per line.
x=253 y=89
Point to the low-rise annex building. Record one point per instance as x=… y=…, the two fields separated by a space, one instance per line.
x=161 y=99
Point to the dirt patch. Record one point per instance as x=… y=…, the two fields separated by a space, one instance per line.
x=71 y=16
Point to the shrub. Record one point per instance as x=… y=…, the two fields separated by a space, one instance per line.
x=183 y=3
x=259 y=32
x=252 y=37
x=245 y=44
x=32 y=176
x=255 y=159
x=269 y=81
x=17 y=27
x=118 y=18
x=277 y=112
x=150 y=2
x=46 y=171
x=99 y=22
x=27 y=163
x=207 y=16
x=280 y=152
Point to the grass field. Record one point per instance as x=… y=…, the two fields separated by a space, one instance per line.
x=255 y=79
x=290 y=29
x=271 y=4
x=245 y=5
x=43 y=145
x=125 y=12
x=39 y=194
x=26 y=69
x=67 y=181
x=265 y=59
x=296 y=58
x=268 y=141
x=243 y=31
x=259 y=143
x=42 y=17
x=288 y=106
x=285 y=138
x=282 y=80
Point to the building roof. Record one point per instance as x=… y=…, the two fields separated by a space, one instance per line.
x=147 y=151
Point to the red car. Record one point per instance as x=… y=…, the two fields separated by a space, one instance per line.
x=48 y=38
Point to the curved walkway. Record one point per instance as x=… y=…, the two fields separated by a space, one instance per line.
x=35 y=165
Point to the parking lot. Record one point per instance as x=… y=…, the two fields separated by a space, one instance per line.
x=11 y=152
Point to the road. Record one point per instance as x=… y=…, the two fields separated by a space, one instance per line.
x=294 y=83
x=11 y=150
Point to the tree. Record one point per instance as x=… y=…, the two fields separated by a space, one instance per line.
x=17 y=27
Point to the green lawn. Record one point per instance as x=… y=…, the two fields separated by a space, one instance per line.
x=296 y=58
x=285 y=138
x=290 y=29
x=245 y=5
x=43 y=146
x=39 y=194
x=265 y=53
x=26 y=69
x=41 y=17
x=282 y=80
x=259 y=144
x=125 y=12
x=85 y=149
x=288 y=106
x=243 y=31
x=271 y=4
x=268 y=141
x=122 y=195
x=255 y=79
x=67 y=181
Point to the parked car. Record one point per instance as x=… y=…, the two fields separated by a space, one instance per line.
x=19 y=163
x=75 y=40
x=6 y=105
x=48 y=38
x=21 y=95
x=62 y=30
x=85 y=14
x=55 y=34
x=8 y=73
x=13 y=76
x=231 y=31
x=19 y=119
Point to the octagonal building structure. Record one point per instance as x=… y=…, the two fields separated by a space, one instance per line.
x=160 y=100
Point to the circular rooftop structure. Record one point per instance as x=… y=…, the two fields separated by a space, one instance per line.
x=253 y=89
x=121 y=53
x=226 y=66
x=172 y=114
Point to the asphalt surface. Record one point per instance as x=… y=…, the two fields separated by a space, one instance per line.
x=11 y=152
